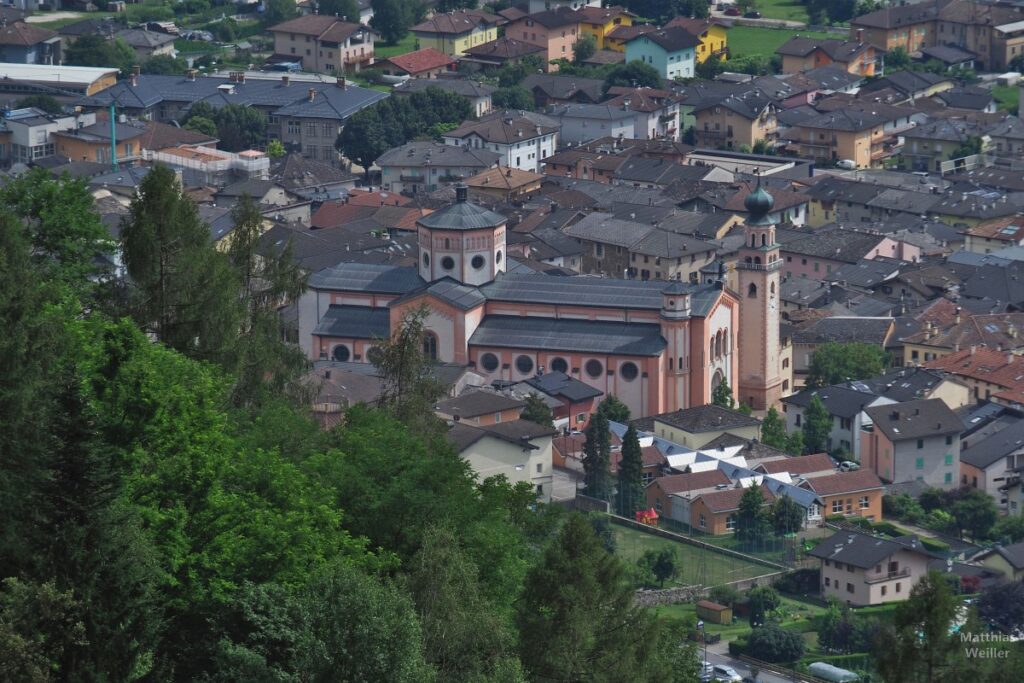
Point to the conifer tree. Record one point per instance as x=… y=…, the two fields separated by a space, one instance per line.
x=537 y=411
x=597 y=458
x=817 y=426
x=773 y=430
x=630 y=496
x=722 y=395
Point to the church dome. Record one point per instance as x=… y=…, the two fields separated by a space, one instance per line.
x=759 y=202
x=462 y=215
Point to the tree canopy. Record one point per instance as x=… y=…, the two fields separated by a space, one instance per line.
x=833 y=363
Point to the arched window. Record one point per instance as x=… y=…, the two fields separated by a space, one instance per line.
x=718 y=344
x=753 y=241
x=752 y=291
x=757 y=260
x=670 y=363
x=748 y=259
x=430 y=345
x=773 y=289
x=711 y=351
x=764 y=239
x=447 y=243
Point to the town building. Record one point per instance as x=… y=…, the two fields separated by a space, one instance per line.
x=148 y=44
x=713 y=34
x=500 y=52
x=914 y=440
x=324 y=44
x=478 y=94
x=520 y=142
x=427 y=63
x=1007 y=559
x=427 y=166
x=503 y=184
x=670 y=51
x=990 y=463
x=554 y=30
x=64 y=83
x=453 y=33
x=518 y=450
x=601 y=21
x=23 y=43
x=736 y=120
x=803 y=54
x=860 y=570
x=480 y=408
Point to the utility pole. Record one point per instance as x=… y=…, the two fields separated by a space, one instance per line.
x=113 y=135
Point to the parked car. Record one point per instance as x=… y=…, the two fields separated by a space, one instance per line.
x=752 y=14
x=706 y=670
x=848 y=164
x=720 y=672
x=732 y=12
x=848 y=466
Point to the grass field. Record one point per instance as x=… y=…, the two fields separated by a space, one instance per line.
x=407 y=44
x=796 y=615
x=715 y=568
x=790 y=10
x=753 y=40
x=1006 y=97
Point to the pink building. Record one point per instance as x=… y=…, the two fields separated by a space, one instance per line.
x=817 y=255
x=554 y=30
x=657 y=345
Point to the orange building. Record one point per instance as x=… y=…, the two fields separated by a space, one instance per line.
x=858 y=493
x=554 y=30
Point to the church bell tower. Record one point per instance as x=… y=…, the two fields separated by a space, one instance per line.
x=759 y=266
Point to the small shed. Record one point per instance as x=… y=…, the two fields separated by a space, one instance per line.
x=713 y=612
x=648 y=516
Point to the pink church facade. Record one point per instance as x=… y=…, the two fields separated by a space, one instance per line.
x=658 y=346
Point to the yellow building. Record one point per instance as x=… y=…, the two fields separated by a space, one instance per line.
x=455 y=32
x=601 y=21
x=713 y=35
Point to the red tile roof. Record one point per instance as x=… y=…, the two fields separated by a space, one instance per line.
x=336 y=214
x=692 y=481
x=22 y=34
x=843 y=482
x=379 y=198
x=983 y=364
x=420 y=61
x=818 y=462
x=729 y=499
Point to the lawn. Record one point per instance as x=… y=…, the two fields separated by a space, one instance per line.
x=1006 y=97
x=789 y=10
x=796 y=615
x=697 y=566
x=754 y=40
x=407 y=44
x=57 y=24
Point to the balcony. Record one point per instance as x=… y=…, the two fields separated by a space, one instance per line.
x=412 y=178
x=766 y=267
x=888 y=576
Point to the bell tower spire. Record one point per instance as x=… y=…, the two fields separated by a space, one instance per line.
x=760 y=371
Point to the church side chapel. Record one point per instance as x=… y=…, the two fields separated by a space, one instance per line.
x=659 y=346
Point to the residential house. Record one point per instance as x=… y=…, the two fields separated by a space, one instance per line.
x=478 y=94
x=31 y=132
x=572 y=401
x=311 y=180
x=585 y=122
x=715 y=512
x=989 y=373
x=427 y=166
x=583 y=164
x=555 y=30
x=501 y=52
x=907 y=86
x=913 y=440
x=803 y=54
x=311 y=125
x=549 y=89
x=535 y=6
x=843 y=135
x=845 y=406
x=1007 y=43
x=804 y=466
x=789 y=207
x=816 y=256
x=601 y=21
x=860 y=569
x=426 y=63
x=262 y=191
x=839 y=330
x=950 y=56
x=519 y=450
x=929 y=147
x=670 y=51
x=854 y=494
x=618 y=38
x=453 y=33
x=736 y=120
x=712 y=34
x=1006 y=139
x=658 y=111
x=23 y=43
x=503 y=184
x=1008 y=559
x=324 y=43
x=993 y=235
x=989 y=31
x=990 y=463
x=948 y=330
x=92 y=142
x=520 y=142
x=148 y=43
x=639 y=171
x=695 y=427
x=480 y=408
x=910 y=26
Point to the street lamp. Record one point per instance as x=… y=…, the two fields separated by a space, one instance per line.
x=703 y=637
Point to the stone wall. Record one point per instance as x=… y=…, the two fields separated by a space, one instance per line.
x=675 y=596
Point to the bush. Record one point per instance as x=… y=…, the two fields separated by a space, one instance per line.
x=724 y=595
x=738 y=647
x=772 y=643
x=800 y=582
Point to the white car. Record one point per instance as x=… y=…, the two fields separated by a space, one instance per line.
x=720 y=672
x=847 y=164
x=848 y=466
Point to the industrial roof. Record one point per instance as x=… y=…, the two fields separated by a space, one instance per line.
x=46 y=73
x=561 y=334
x=367 y=278
x=357 y=322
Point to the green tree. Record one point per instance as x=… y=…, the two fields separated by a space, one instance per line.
x=392 y=19
x=897 y=59
x=630 y=496
x=1009 y=529
x=972 y=145
x=537 y=411
x=817 y=426
x=795 y=443
x=97 y=50
x=264 y=364
x=772 y=643
x=275 y=149
x=751 y=519
x=661 y=564
x=975 y=513
x=186 y=290
x=407 y=374
x=633 y=74
x=201 y=124
x=65 y=232
x=597 y=458
x=45 y=102
x=725 y=595
x=1002 y=605
x=722 y=395
x=584 y=48
x=362 y=139
x=240 y=127
x=833 y=363
x=164 y=64
x=464 y=636
x=613 y=409
x=513 y=97
x=709 y=69
x=762 y=601
x=787 y=517
x=279 y=11
x=576 y=617
x=345 y=9
x=773 y=430
x=38 y=624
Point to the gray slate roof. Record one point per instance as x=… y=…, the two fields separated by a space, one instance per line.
x=706 y=418
x=838 y=400
x=994 y=448
x=860 y=550
x=436 y=155
x=476 y=403
x=559 y=384
x=464 y=297
x=561 y=334
x=462 y=216
x=845 y=331
x=366 y=277
x=358 y=322
x=915 y=419
x=466 y=88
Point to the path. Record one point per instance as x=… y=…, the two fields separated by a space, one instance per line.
x=46 y=17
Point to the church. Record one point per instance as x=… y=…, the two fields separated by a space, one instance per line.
x=659 y=346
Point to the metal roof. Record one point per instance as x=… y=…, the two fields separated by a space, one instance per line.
x=462 y=216
x=366 y=277
x=47 y=73
x=450 y=291
x=357 y=322
x=561 y=334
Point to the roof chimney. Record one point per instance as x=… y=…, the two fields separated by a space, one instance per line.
x=342 y=83
x=285 y=80
x=136 y=70
x=461 y=193
x=190 y=75
x=312 y=94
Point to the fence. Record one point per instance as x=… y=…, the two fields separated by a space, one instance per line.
x=789 y=674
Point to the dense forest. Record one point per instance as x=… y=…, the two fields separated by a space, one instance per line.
x=173 y=512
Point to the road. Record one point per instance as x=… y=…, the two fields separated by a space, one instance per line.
x=743 y=669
